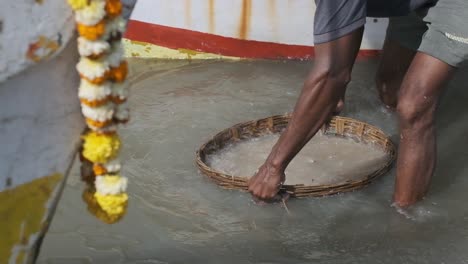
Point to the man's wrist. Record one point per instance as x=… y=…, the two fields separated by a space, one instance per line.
x=277 y=164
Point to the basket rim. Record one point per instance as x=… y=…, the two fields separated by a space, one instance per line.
x=338 y=123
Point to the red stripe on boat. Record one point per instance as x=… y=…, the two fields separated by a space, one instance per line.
x=177 y=38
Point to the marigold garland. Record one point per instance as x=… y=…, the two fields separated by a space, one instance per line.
x=119 y=74
x=78 y=4
x=102 y=93
x=113 y=8
x=100 y=148
x=99 y=169
x=112 y=204
x=110 y=216
x=92 y=32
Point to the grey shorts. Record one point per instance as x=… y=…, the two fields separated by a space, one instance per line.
x=440 y=31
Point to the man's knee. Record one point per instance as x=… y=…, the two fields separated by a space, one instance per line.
x=340 y=78
x=416 y=112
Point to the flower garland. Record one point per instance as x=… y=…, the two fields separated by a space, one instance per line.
x=116 y=206
x=103 y=94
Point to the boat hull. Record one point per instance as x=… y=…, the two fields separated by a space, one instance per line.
x=260 y=29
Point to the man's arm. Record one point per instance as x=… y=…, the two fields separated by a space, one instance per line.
x=322 y=90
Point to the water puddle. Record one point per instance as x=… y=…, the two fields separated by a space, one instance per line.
x=176 y=215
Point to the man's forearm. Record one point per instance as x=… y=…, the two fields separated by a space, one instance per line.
x=324 y=87
x=315 y=105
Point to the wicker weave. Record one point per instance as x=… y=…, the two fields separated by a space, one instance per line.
x=338 y=126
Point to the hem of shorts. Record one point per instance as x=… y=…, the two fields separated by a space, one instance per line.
x=445 y=59
x=432 y=47
x=338 y=33
x=405 y=44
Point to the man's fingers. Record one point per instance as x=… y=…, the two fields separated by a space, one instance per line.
x=268 y=192
x=261 y=187
x=256 y=179
x=253 y=183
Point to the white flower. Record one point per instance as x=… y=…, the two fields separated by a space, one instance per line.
x=91 y=14
x=112 y=166
x=88 y=48
x=118 y=24
x=102 y=113
x=115 y=57
x=92 y=69
x=107 y=129
x=110 y=184
x=93 y=92
x=122 y=112
x=120 y=90
x=114 y=26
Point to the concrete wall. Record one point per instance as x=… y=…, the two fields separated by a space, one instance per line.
x=32 y=31
x=40 y=118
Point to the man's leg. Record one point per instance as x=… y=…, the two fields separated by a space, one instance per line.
x=393 y=66
x=417 y=103
x=403 y=38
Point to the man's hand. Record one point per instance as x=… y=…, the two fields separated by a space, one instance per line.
x=266 y=182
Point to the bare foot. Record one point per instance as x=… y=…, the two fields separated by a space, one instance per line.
x=339 y=107
x=405 y=201
x=390 y=100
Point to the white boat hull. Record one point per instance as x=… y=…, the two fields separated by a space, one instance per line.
x=266 y=29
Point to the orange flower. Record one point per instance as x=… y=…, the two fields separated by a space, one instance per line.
x=106 y=132
x=99 y=169
x=120 y=73
x=92 y=32
x=94 y=103
x=96 y=56
x=113 y=8
x=98 y=80
x=98 y=124
x=118 y=100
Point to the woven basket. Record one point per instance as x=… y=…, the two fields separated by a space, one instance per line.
x=338 y=126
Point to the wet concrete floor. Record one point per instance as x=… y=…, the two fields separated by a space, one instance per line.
x=176 y=215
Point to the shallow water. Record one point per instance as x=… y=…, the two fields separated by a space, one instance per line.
x=325 y=160
x=176 y=215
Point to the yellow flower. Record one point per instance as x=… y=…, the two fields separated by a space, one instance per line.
x=95 y=209
x=100 y=148
x=112 y=204
x=78 y=4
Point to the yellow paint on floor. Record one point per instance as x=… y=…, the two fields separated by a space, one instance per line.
x=22 y=214
x=139 y=49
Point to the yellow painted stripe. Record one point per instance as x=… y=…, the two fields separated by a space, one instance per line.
x=137 y=49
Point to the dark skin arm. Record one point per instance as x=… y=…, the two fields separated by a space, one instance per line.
x=324 y=87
